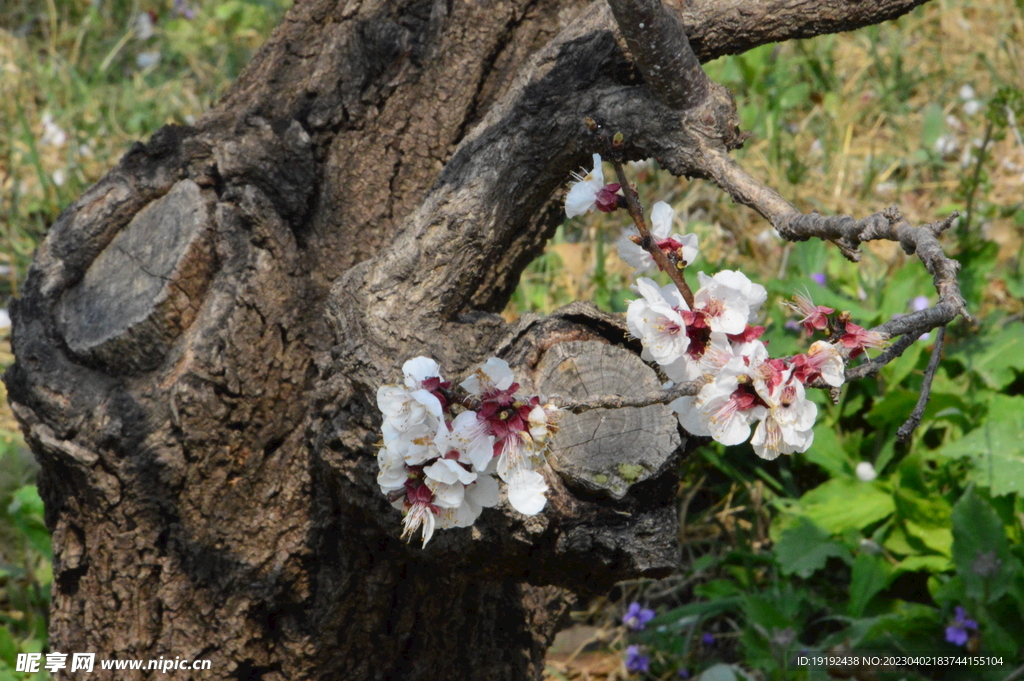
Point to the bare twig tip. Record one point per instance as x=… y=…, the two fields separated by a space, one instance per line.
x=907 y=429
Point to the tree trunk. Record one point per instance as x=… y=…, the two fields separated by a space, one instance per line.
x=203 y=332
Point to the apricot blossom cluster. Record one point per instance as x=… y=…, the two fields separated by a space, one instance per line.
x=439 y=457
x=445 y=447
x=714 y=338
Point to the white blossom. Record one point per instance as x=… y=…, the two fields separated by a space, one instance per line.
x=480 y=495
x=582 y=196
x=393 y=471
x=526 y=490
x=662 y=217
x=419 y=516
x=828 y=362
x=469 y=437
x=449 y=472
x=866 y=472
x=655 y=320
x=787 y=426
x=729 y=299
x=446 y=495
x=495 y=374
x=53 y=135
x=725 y=407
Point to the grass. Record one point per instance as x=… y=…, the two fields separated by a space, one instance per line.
x=80 y=82
x=841 y=124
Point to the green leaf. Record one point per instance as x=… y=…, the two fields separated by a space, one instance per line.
x=898 y=543
x=827 y=451
x=907 y=619
x=937 y=539
x=717 y=589
x=893 y=408
x=933 y=127
x=980 y=549
x=688 y=612
x=926 y=518
x=946 y=590
x=870 y=575
x=895 y=372
x=8 y=648
x=32 y=645
x=26 y=510
x=842 y=504
x=794 y=96
x=996 y=450
x=900 y=289
x=26 y=501
x=766 y=612
x=994 y=359
x=933 y=564
x=804 y=549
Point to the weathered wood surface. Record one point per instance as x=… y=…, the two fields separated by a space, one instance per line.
x=145 y=288
x=606 y=450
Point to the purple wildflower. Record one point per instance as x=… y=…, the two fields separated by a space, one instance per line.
x=637 y=617
x=684 y=674
x=819 y=278
x=708 y=639
x=956 y=633
x=637 y=661
x=184 y=10
x=919 y=303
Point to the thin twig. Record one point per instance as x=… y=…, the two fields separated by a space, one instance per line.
x=848 y=233
x=622 y=401
x=907 y=429
x=647 y=240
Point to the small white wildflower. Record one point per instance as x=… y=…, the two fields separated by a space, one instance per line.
x=946 y=145
x=53 y=135
x=866 y=472
x=144 y=26
x=145 y=60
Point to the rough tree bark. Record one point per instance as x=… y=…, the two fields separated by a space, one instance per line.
x=203 y=332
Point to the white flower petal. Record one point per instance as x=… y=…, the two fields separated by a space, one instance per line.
x=582 y=196
x=689 y=417
x=662 y=216
x=484 y=491
x=418 y=369
x=690 y=248
x=442 y=471
x=526 y=490
x=445 y=495
x=632 y=254
x=493 y=374
x=866 y=472
x=470 y=438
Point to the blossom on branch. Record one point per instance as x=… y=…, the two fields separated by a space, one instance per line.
x=519 y=428
x=787 y=425
x=815 y=316
x=857 y=339
x=590 y=191
x=438 y=467
x=679 y=248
